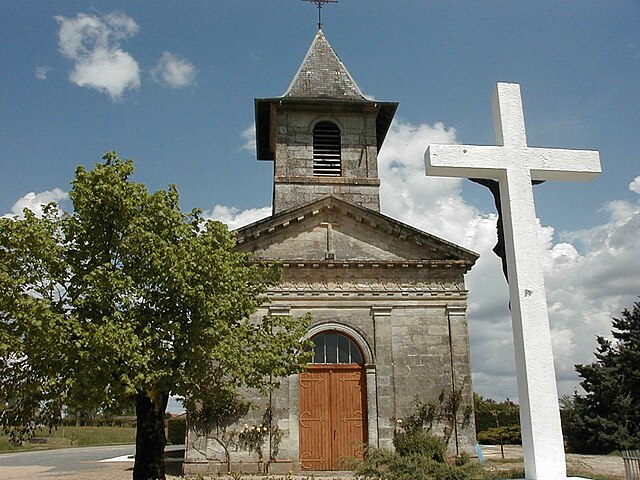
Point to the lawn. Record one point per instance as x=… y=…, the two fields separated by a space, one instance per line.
x=72 y=437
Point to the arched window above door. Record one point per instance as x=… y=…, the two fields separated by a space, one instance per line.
x=334 y=347
x=327 y=157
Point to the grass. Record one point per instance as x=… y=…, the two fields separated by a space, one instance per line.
x=72 y=437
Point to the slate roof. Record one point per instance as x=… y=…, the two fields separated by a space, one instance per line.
x=323 y=75
x=324 y=82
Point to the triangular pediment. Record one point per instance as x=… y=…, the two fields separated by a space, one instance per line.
x=332 y=230
x=323 y=75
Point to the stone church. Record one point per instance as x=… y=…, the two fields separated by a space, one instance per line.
x=388 y=301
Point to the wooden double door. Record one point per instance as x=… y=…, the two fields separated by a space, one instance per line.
x=333 y=415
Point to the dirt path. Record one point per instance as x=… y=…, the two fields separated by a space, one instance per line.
x=594 y=464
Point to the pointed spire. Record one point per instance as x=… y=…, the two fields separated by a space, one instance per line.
x=323 y=75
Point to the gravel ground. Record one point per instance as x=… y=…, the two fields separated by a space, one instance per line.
x=595 y=464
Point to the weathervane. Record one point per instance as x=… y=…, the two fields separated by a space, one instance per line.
x=319 y=3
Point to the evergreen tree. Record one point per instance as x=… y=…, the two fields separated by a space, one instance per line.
x=607 y=418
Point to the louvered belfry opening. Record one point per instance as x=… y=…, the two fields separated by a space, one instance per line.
x=327 y=160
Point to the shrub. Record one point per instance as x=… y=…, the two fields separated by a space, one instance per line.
x=385 y=465
x=490 y=414
x=419 y=454
x=412 y=467
x=99 y=421
x=419 y=443
x=517 y=472
x=176 y=430
x=510 y=436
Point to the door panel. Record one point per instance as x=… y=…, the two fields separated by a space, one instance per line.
x=332 y=415
x=314 y=420
x=347 y=415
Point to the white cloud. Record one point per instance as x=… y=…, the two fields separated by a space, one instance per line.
x=584 y=290
x=634 y=186
x=93 y=44
x=36 y=202
x=41 y=72
x=435 y=205
x=585 y=287
x=249 y=137
x=235 y=218
x=174 y=70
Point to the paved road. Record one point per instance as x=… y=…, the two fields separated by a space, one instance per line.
x=62 y=462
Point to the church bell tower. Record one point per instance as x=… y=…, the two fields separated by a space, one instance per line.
x=323 y=135
x=387 y=301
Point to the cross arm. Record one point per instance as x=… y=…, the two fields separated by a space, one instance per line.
x=563 y=165
x=475 y=161
x=465 y=161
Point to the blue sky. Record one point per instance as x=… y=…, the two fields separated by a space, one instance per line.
x=180 y=103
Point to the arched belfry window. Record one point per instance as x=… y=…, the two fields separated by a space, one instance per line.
x=327 y=160
x=334 y=347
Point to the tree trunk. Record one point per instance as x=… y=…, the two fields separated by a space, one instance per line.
x=150 y=437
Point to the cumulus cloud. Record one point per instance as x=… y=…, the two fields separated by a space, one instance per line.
x=436 y=205
x=249 y=137
x=174 y=71
x=584 y=290
x=41 y=72
x=93 y=44
x=36 y=202
x=236 y=218
x=585 y=287
x=433 y=204
x=634 y=186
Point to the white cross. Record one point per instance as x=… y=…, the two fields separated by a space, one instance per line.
x=515 y=165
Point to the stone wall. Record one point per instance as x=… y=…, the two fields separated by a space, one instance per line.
x=415 y=344
x=294 y=183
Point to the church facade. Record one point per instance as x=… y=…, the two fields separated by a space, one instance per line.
x=388 y=301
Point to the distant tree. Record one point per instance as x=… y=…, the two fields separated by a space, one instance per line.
x=125 y=301
x=491 y=414
x=607 y=418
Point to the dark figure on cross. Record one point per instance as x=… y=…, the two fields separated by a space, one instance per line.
x=499 y=249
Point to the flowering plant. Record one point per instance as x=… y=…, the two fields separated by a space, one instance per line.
x=252 y=438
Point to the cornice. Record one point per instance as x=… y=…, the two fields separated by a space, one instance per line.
x=364 y=264
x=367 y=295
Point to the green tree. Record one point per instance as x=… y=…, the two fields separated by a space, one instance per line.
x=125 y=301
x=491 y=414
x=607 y=418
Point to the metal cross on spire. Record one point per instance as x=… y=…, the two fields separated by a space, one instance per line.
x=319 y=3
